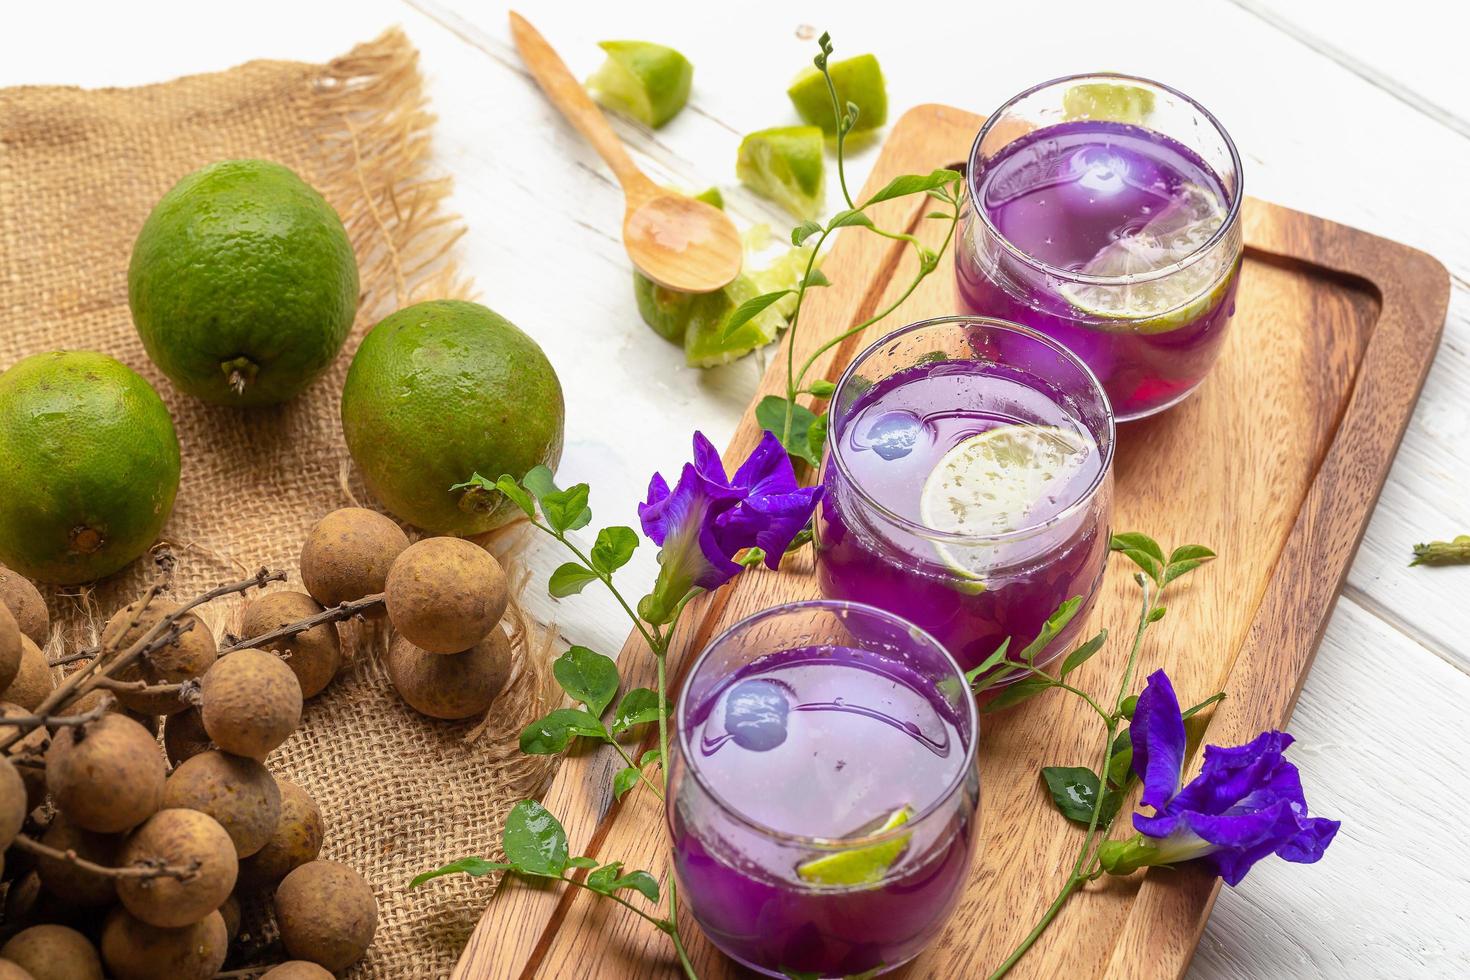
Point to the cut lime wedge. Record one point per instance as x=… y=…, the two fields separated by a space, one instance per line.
x=859 y=866
x=645 y=81
x=1170 y=301
x=857 y=80
x=992 y=483
x=1110 y=101
x=785 y=165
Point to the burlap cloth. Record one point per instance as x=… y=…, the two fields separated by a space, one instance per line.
x=79 y=171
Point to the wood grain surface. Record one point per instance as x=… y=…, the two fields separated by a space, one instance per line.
x=1276 y=463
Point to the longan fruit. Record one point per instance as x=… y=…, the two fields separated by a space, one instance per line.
x=450 y=685
x=230 y=912
x=10 y=971
x=33 y=681
x=348 y=553
x=445 y=594
x=326 y=914
x=94 y=697
x=238 y=792
x=314 y=655
x=183 y=838
x=297 y=839
x=70 y=883
x=52 y=952
x=250 y=703
x=10 y=646
x=13 y=800
x=106 y=775
x=135 y=950
x=20 y=595
x=184 y=736
x=297 y=970
x=185 y=657
x=32 y=743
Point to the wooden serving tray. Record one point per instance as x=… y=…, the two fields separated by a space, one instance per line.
x=1276 y=462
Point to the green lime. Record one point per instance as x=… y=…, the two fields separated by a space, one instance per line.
x=705 y=343
x=785 y=164
x=89 y=466
x=858 y=866
x=992 y=482
x=1111 y=101
x=1170 y=301
x=668 y=311
x=712 y=197
x=442 y=390
x=243 y=284
x=857 y=80
x=646 y=81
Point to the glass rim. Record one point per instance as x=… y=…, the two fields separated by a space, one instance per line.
x=1227 y=227
x=807 y=840
x=920 y=529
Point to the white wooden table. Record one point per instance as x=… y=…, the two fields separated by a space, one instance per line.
x=1355 y=111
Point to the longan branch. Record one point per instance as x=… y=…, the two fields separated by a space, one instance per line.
x=174 y=632
x=28 y=722
x=140 y=870
x=335 y=614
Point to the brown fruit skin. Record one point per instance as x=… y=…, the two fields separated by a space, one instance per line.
x=297 y=840
x=9 y=971
x=327 y=914
x=33 y=681
x=230 y=912
x=453 y=685
x=186 y=657
x=109 y=780
x=183 y=838
x=184 y=736
x=10 y=646
x=68 y=882
x=50 y=952
x=297 y=970
x=34 y=742
x=445 y=594
x=95 y=696
x=313 y=656
x=251 y=703
x=135 y=950
x=20 y=595
x=239 y=793
x=347 y=555
x=13 y=800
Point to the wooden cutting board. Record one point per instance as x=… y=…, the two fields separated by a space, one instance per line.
x=1276 y=462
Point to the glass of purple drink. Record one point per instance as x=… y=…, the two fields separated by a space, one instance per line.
x=1104 y=210
x=968 y=484
x=823 y=789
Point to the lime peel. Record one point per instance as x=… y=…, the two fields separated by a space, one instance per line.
x=642 y=80
x=862 y=865
x=785 y=165
x=858 y=80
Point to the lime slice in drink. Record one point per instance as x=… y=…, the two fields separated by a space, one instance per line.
x=857 y=866
x=1109 y=101
x=647 y=82
x=858 y=80
x=785 y=165
x=1169 y=301
x=992 y=483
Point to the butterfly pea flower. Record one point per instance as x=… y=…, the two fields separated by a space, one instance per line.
x=1246 y=803
x=708 y=518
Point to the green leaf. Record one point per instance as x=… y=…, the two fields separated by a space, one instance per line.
x=639 y=706
x=770 y=414
x=1054 y=625
x=652 y=755
x=1073 y=791
x=613 y=548
x=608 y=879
x=507 y=485
x=1178 y=568
x=751 y=309
x=1083 y=653
x=554 y=732
x=539 y=481
x=816 y=278
x=582 y=862
x=1129 y=704
x=822 y=388
x=1186 y=552
x=1189 y=713
x=567 y=510
x=473 y=866
x=990 y=662
x=913 y=184
x=534 y=841
x=816 y=438
x=1157 y=612
x=588 y=677
x=1136 y=541
x=847 y=218
x=803 y=231
x=1143 y=560
x=625 y=780
x=569 y=579
x=1018 y=692
x=1120 y=759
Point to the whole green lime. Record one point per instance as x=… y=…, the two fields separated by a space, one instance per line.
x=89 y=465
x=439 y=391
x=243 y=284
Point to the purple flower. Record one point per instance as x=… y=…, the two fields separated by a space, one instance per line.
x=1245 y=804
x=708 y=518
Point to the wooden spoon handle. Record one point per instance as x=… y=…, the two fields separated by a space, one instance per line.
x=572 y=100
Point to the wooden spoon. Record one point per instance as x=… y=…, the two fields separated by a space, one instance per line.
x=676 y=241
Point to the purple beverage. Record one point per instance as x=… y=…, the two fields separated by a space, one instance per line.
x=1114 y=230
x=823 y=794
x=968 y=482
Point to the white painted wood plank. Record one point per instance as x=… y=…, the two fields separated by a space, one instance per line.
x=1382 y=746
